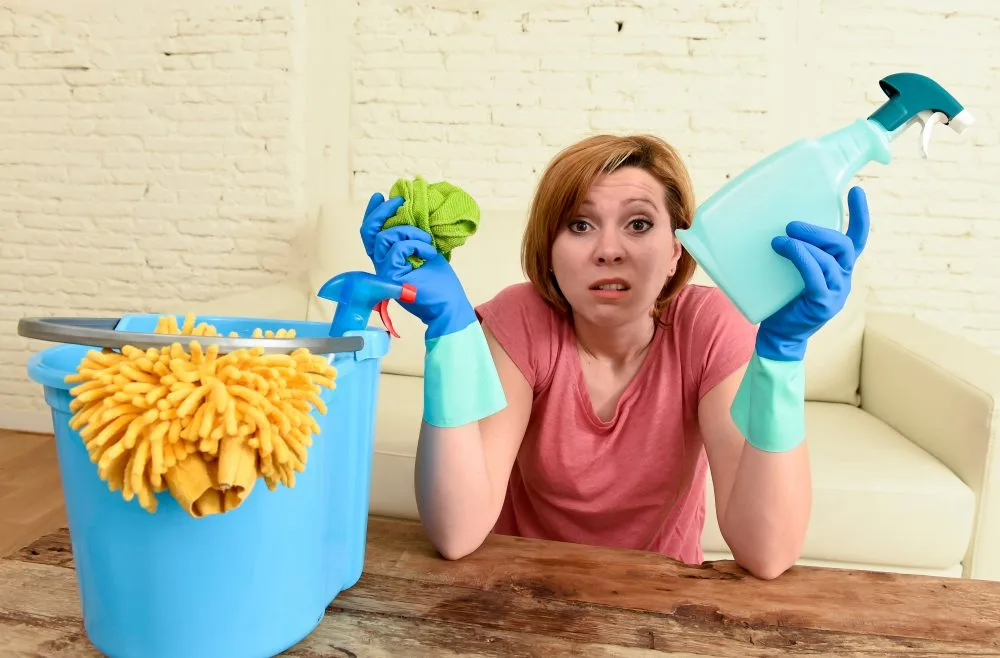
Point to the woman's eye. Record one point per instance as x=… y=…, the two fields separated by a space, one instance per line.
x=578 y=226
x=640 y=225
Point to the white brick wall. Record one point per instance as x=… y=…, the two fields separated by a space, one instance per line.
x=936 y=228
x=491 y=94
x=189 y=143
x=148 y=157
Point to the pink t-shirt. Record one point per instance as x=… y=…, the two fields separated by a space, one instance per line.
x=638 y=480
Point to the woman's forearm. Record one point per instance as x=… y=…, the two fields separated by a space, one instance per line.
x=454 y=491
x=768 y=509
x=470 y=431
x=462 y=468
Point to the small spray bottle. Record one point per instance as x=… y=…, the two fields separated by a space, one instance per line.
x=805 y=181
x=357 y=294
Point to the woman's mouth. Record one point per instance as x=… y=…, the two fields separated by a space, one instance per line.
x=610 y=288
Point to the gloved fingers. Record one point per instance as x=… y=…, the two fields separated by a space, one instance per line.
x=387 y=238
x=394 y=264
x=379 y=210
x=383 y=208
x=373 y=203
x=859 y=221
x=810 y=261
x=832 y=242
x=833 y=274
x=369 y=224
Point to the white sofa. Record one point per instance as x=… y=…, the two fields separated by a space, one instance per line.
x=902 y=418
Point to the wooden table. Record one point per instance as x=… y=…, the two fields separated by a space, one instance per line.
x=517 y=597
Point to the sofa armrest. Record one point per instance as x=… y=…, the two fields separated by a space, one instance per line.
x=286 y=300
x=941 y=391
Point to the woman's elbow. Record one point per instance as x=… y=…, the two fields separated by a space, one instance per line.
x=456 y=549
x=764 y=560
x=452 y=541
x=453 y=553
x=766 y=565
x=768 y=569
x=765 y=557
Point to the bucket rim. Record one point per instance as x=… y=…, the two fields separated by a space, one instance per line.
x=40 y=370
x=104 y=332
x=42 y=373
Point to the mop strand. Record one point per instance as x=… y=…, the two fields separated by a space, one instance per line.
x=202 y=425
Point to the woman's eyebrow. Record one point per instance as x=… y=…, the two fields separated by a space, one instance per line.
x=625 y=202
x=639 y=199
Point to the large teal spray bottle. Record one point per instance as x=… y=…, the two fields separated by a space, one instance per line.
x=806 y=181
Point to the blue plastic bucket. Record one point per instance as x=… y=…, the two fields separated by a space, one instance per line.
x=251 y=582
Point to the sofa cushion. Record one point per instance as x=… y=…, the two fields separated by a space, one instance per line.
x=877 y=497
x=397 y=428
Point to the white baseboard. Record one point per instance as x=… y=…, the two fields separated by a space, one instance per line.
x=26 y=421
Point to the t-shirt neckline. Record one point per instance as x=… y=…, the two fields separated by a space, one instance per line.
x=583 y=393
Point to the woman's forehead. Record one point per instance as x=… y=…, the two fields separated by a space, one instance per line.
x=625 y=186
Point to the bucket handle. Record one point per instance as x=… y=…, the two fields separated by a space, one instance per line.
x=101 y=332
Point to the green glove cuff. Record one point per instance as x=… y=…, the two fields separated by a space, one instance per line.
x=769 y=407
x=461 y=384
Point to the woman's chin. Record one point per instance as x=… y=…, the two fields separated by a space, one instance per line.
x=610 y=314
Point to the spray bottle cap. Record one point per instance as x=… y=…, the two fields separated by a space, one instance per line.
x=357 y=294
x=917 y=98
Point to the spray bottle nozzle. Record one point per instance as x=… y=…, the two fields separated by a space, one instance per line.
x=357 y=294
x=914 y=98
x=929 y=119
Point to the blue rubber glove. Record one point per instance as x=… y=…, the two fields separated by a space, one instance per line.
x=441 y=301
x=379 y=210
x=461 y=383
x=769 y=407
x=825 y=258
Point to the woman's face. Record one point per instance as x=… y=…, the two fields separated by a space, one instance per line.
x=612 y=260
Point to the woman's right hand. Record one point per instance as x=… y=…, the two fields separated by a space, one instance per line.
x=441 y=302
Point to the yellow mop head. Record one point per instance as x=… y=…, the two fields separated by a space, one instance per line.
x=202 y=425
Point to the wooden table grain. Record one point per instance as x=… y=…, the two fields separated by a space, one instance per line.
x=520 y=597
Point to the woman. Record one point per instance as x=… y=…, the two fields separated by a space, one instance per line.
x=586 y=404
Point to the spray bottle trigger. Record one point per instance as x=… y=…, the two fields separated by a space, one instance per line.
x=407 y=294
x=383 y=310
x=928 y=120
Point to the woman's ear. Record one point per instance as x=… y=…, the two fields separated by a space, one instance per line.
x=676 y=255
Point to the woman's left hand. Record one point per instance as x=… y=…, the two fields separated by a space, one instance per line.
x=825 y=258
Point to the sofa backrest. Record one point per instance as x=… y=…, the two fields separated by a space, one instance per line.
x=490 y=261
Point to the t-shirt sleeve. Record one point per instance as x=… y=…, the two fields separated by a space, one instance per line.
x=525 y=326
x=721 y=340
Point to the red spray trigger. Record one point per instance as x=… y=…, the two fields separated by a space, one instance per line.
x=383 y=310
x=408 y=294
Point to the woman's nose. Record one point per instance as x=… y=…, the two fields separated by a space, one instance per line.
x=609 y=250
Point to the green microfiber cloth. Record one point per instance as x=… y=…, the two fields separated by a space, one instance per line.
x=448 y=213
